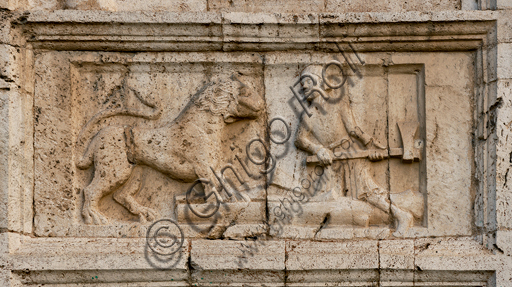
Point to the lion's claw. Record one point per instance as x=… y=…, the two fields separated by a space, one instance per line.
x=147 y=214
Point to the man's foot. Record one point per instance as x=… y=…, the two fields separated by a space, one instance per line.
x=217 y=231
x=405 y=221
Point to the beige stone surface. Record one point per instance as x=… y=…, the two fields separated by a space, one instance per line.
x=133 y=5
x=387 y=6
x=239 y=143
x=396 y=254
x=503 y=4
x=295 y=6
x=353 y=255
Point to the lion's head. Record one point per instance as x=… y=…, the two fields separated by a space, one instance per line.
x=229 y=98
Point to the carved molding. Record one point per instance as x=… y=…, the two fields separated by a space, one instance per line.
x=105 y=31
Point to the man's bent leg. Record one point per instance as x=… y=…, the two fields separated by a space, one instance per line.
x=404 y=219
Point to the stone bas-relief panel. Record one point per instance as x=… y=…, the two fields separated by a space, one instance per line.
x=121 y=141
x=119 y=144
x=352 y=177
x=363 y=163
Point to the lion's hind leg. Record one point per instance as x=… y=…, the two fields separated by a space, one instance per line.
x=124 y=196
x=100 y=186
x=111 y=170
x=90 y=211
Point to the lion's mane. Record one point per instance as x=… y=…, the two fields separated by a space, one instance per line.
x=218 y=96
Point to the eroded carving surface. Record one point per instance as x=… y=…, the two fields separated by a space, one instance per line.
x=131 y=137
x=186 y=149
x=334 y=136
x=330 y=150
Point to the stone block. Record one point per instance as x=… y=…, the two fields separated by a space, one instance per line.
x=134 y=5
x=461 y=254
x=282 y=6
x=307 y=255
x=504 y=26
x=238 y=254
x=504 y=61
x=503 y=4
x=396 y=254
x=340 y=6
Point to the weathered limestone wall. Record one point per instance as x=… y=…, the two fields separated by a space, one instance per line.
x=255 y=143
x=306 y=6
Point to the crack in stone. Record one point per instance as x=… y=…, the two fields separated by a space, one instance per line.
x=378 y=256
x=323 y=224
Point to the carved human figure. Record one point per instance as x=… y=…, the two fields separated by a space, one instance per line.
x=332 y=126
x=185 y=149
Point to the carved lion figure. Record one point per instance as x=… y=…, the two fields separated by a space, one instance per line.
x=185 y=149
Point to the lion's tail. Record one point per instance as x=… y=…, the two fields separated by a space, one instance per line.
x=87 y=159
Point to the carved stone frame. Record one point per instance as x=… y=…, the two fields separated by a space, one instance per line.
x=475 y=261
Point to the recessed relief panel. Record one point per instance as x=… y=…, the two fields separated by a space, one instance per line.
x=327 y=146
x=134 y=138
x=359 y=165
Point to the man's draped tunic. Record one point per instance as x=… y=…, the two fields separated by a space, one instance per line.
x=332 y=125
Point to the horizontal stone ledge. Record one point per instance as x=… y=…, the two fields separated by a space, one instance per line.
x=104 y=261
x=462 y=254
x=233 y=31
x=225 y=27
x=368 y=277
x=355 y=33
x=79 y=16
x=386 y=36
x=172 y=46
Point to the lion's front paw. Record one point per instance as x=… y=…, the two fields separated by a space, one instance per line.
x=147 y=214
x=92 y=216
